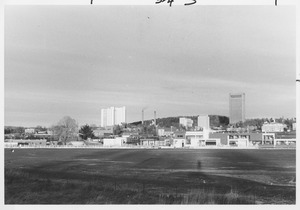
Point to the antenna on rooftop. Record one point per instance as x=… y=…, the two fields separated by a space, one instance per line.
x=142 y=116
x=155 y=118
x=155 y=122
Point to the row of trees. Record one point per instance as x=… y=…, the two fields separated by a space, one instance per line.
x=67 y=130
x=258 y=122
x=64 y=131
x=13 y=130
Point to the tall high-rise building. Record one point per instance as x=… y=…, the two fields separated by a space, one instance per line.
x=236 y=107
x=113 y=116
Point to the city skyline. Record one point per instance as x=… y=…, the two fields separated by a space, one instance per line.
x=179 y=61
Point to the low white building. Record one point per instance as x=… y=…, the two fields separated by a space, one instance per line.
x=179 y=140
x=29 y=130
x=10 y=144
x=76 y=143
x=294 y=126
x=114 y=142
x=152 y=142
x=179 y=143
x=165 y=132
x=268 y=138
x=239 y=140
x=160 y=132
x=195 y=139
x=273 y=127
x=201 y=138
x=186 y=122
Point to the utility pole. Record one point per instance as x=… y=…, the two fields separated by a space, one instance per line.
x=142 y=116
x=155 y=123
x=143 y=127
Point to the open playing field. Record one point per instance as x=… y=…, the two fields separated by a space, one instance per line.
x=135 y=176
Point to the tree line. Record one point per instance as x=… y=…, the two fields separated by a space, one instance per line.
x=67 y=128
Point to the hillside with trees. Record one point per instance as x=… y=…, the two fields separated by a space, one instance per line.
x=215 y=121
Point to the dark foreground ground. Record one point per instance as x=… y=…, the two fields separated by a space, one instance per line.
x=149 y=176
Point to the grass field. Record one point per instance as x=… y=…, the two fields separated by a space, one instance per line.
x=150 y=176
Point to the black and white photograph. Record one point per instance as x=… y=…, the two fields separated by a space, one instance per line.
x=173 y=103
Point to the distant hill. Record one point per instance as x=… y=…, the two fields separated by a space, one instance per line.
x=215 y=121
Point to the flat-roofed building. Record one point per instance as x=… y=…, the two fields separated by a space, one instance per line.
x=165 y=132
x=273 y=127
x=179 y=139
x=194 y=139
x=294 y=126
x=203 y=122
x=186 y=122
x=29 y=130
x=113 y=116
x=152 y=142
x=236 y=107
x=238 y=139
x=114 y=142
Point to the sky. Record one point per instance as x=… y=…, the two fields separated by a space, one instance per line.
x=179 y=61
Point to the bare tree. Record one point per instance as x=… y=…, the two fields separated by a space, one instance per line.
x=66 y=129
